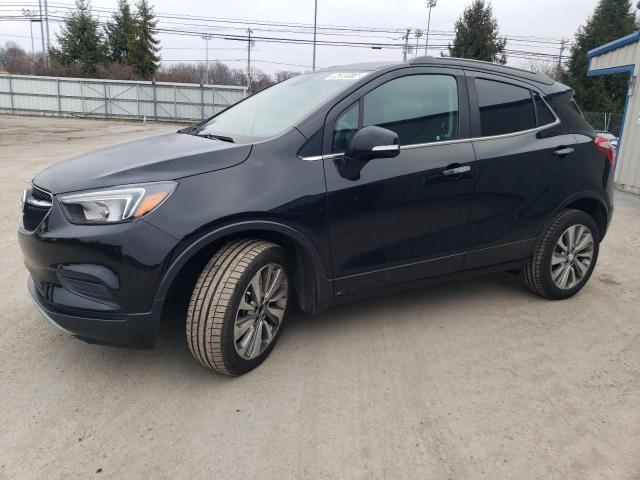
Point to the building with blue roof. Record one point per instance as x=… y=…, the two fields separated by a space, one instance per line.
x=623 y=56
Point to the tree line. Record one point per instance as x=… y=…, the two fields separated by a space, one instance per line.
x=128 y=48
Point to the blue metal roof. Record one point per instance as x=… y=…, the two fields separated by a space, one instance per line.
x=608 y=47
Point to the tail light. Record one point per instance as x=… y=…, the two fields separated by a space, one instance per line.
x=605 y=147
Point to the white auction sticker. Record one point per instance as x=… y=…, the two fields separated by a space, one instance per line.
x=345 y=75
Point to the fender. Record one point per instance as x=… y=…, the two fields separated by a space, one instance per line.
x=588 y=194
x=243 y=226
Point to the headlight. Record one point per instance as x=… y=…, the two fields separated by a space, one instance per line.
x=113 y=205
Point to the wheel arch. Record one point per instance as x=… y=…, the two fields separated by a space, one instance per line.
x=591 y=203
x=311 y=281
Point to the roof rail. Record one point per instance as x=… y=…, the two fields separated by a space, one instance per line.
x=538 y=77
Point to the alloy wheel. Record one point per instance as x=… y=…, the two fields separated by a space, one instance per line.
x=260 y=311
x=572 y=257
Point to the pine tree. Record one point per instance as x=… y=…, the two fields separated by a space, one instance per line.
x=143 y=49
x=611 y=20
x=80 y=41
x=477 y=35
x=120 y=32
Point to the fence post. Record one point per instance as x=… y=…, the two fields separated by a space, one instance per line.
x=155 y=101
x=82 y=96
x=13 y=111
x=106 y=102
x=137 y=101
x=201 y=101
x=58 y=96
x=213 y=100
x=175 y=102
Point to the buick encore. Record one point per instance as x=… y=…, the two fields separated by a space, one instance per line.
x=328 y=187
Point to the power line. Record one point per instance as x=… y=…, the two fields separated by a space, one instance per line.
x=289 y=25
x=59 y=11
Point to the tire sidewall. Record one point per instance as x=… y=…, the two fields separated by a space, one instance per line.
x=235 y=364
x=573 y=219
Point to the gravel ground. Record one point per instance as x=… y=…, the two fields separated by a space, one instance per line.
x=471 y=379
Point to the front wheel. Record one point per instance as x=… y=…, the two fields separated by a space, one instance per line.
x=238 y=306
x=565 y=257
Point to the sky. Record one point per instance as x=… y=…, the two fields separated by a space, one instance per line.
x=534 y=23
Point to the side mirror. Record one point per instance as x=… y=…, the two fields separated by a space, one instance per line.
x=372 y=142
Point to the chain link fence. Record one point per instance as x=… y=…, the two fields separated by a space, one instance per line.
x=606 y=122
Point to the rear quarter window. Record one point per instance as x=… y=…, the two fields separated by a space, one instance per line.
x=569 y=113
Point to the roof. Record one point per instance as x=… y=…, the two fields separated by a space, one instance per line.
x=608 y=47
x=487 y=66
x=453 y=62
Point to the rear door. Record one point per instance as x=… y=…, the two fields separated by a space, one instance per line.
x=525 y=168
x=405 y=218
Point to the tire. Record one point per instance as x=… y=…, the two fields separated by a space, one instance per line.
x=225 y=293
x=569 y=270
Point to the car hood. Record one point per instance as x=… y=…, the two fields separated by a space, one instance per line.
x=150 y=159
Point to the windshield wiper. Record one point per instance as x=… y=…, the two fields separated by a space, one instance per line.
x=191 y=130
x=215 y=137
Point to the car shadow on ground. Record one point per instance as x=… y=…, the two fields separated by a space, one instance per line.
x=171 y=363
x=172 y=345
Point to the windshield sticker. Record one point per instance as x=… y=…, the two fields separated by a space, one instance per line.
x=345 y=76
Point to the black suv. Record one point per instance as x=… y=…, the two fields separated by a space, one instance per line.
x=330 y=186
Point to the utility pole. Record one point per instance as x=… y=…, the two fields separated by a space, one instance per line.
x=46 y=21
x=418 y=34
x=44 y=52
x=30 y=14
x=430 y=5
x=315 y=26
x=249 y=31
x=563 y=45
x=206 y=37
x=405 y=50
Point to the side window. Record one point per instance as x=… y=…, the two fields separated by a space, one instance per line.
x=504 y=108
x=345 y=128
x=419 y=108
x=545 y=117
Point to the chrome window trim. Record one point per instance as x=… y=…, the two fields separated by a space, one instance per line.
x=328 y=156
x=448 y=142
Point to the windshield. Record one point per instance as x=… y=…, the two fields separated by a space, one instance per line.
x=274 y=110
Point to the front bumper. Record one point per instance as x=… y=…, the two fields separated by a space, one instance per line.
x=138 y=330
x=98 y=282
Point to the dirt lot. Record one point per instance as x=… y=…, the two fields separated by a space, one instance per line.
x=473 y=379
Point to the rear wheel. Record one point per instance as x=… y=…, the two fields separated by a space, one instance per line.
x=565 y=257
x=238 y=306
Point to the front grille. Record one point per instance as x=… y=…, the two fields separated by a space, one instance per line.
x=37 y=204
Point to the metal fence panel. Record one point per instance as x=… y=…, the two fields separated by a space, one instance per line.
x=604 y=121
x=114 y=98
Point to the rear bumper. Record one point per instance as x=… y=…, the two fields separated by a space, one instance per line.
x=137 y=330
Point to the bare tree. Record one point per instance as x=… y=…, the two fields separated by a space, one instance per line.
x=550 y=69
x=15 y=60
x=283 y=75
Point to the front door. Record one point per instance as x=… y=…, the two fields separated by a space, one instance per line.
x=404 y=218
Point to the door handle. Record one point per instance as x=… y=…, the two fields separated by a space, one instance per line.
x=452 y=172
x=564 y=151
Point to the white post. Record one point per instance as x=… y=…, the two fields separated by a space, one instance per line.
x=430 y=5
x=315 y=25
